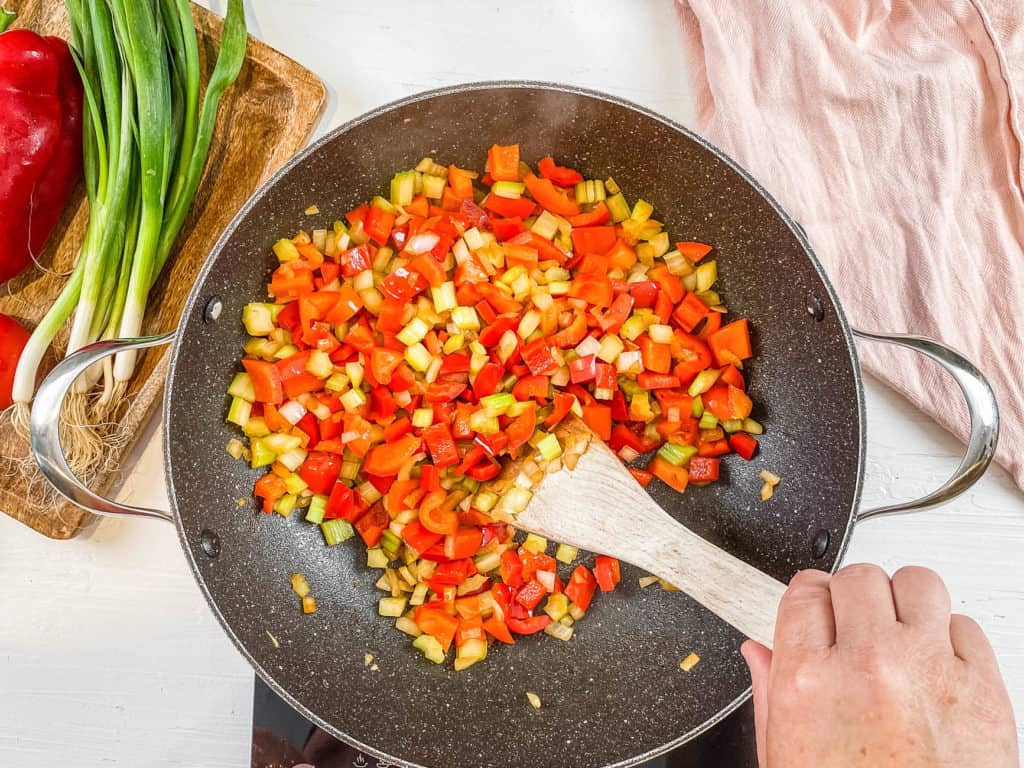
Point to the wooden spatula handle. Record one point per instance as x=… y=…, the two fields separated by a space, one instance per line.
x=601 y=508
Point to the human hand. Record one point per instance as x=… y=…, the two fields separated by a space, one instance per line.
x=872 y=672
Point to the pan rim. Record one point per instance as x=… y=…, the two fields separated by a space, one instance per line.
x=193 y=301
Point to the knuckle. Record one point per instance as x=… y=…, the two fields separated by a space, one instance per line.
x=858 y=571
x=809 y=577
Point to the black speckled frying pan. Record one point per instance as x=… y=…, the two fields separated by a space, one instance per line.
x=614 y=695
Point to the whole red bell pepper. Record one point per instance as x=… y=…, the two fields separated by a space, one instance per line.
x=41 y=137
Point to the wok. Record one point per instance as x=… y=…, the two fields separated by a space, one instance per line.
x=614 y=695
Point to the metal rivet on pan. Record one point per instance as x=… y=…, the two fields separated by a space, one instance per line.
x=815 y=308
x=212 y=309
x=210 y=542
x=820 y=544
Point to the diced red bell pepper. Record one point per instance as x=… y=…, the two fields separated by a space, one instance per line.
x=581 y=587
x=402 y=284
x=528 y=626
x=690 y=311
x=503 y=162
x=418 y=537
x=731 y=375
x=675 y=477
x=593 y=289
x=606 y=570
x=583 y=369
x=657 y=357
x=644 y=293
x=266 y=380
x=714 y=448
x=532 y=388
x=668 y=282
x=704 y=469
x=437 y=623
x=593 y=240
x=487 y=379
x=550 y=197
x=642 y=476
x=444 y=391
x=530 y=594
x=511 y=568
x=386 y=460
x=341 y=503
x=441 y=445
x=378 y=224
x=558 y=174
x=617 y=313
x=599 y=419
x=731 y=342
x=743 y=444
x=498 y=630
x=593 y=218
x=463 y=543
x=355 y=260
x=657 y=380
x=561 y=406
x=511 y=208
x=693 y=251
x=320 y=471
x=538 y=358
x=454 y=572
x=569 y=336
x=506 y=229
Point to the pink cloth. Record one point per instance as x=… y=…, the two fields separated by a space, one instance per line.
x=891 y=131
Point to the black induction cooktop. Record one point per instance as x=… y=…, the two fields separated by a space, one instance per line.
x=282 y=738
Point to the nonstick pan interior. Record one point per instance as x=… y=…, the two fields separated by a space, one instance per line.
x=614 y=694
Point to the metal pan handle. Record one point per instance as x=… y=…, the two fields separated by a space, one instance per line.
x=982 y=407
x=45 y=423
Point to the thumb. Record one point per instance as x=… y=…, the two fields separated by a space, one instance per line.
x=759 y=660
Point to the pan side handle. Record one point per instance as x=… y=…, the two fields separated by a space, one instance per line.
x=983 y=410
x=45 y=428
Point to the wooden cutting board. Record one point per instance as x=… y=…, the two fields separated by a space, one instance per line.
x=264 y=119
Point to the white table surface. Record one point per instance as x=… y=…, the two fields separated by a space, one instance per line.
x=109 y=655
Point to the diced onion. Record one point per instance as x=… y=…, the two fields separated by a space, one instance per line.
x=421 y=242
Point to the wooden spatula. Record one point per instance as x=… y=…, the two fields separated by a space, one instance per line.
x=598 y=506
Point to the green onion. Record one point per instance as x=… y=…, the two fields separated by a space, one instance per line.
x=145 y=143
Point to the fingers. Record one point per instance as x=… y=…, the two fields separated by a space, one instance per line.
x=921 y=599
x=759 y=660
x=970 y=643
x=862 y=602
x=805 y=618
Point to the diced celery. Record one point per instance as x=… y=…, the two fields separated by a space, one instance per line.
x=488 y=561
x=295 y=484
x=612 y=187
x=610 y=348
x=535 y=544
x=454 y=343
x=337 y=382
x=418 y=357
x=355 y=374
x=557 y=606
x=509 y=189
x=241 y=386
x=559 y=630
x=239 y=411
x=519 y=408
x=428 y=644
x=485 y=424
x=576 y=612
x=711 y=298
x=576 y=409
x=285 y=250
x=704 y=381
x=419 y=594
x=390 y=543
x=444 y=297
x=258 y=318
x=383 y=203
x=261 y=454
x=566 y=554
x=731 y=425
x=368 y=493
x=375 y=558
x=485 y=501
x=317 y=507
x=708 y=420
x=433 y=187
x=353 y=400
x=413 y=332
x=319 y=364
x=549 y=447
x=422 y=417
x=545 y=225
x=642 y=211
x=407 y=625
x=529 y=323
x=645 y=254
x=497 y=404
x=392 y=606
x=590 y=191
x=381 y=262
x=466 y=319
x=659 y=333
x=515 y=500
x=677 y=264
x=634 y=326
x=617 y=207
x=673 y=454
x=235 y=448
x=336 y=531
x=707 y=274
x=469 y=653
x=349 y=470
x=690 y=281
x=753 y=427
x=660 y=244
x=559 y=287
x=285 y=505
x=403 y=187
x=697 y=409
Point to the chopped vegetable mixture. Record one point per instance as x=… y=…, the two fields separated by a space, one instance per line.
x=411 y=350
